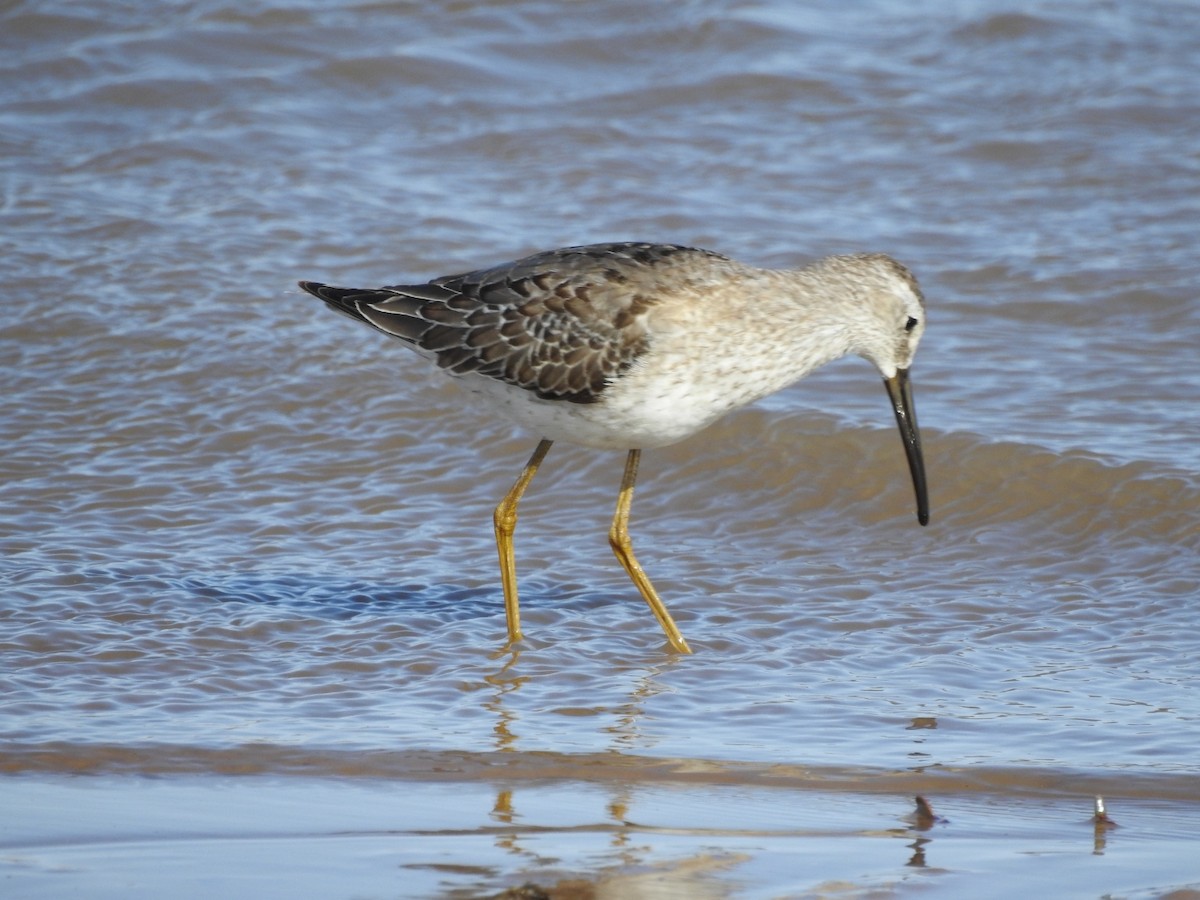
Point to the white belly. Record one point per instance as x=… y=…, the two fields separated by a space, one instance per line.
x=649 y=406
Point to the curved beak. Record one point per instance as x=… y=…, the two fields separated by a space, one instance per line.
x=900 y=392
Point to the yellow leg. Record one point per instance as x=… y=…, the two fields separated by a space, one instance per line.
x=618 y=537
x=505 y=519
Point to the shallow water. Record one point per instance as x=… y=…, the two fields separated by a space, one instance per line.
x=241 y=535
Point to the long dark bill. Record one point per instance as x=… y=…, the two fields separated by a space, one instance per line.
x=900 y=392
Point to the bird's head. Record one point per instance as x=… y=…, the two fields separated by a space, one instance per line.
x=887 y=334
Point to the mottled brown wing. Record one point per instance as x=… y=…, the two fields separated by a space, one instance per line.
x=562 y=324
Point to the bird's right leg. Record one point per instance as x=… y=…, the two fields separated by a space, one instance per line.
x=505 y=519
x=618 y=539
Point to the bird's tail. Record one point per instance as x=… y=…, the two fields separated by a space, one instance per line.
x=343 y=300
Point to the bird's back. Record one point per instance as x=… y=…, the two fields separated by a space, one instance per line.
x=563 y=324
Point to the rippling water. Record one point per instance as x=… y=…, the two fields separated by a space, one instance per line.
x=240 y=534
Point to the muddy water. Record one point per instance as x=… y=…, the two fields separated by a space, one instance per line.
x=240 y=534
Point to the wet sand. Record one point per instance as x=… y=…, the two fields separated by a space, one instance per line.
x=644 y=829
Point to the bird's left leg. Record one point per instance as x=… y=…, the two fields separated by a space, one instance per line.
x=505 y=521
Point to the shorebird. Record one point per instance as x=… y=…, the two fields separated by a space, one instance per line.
x=629 y=346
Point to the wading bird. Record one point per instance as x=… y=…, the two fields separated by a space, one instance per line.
x=629 y=346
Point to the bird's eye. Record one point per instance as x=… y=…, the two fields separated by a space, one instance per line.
x=910 y=324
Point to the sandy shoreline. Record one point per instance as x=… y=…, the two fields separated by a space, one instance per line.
x=261 y=835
